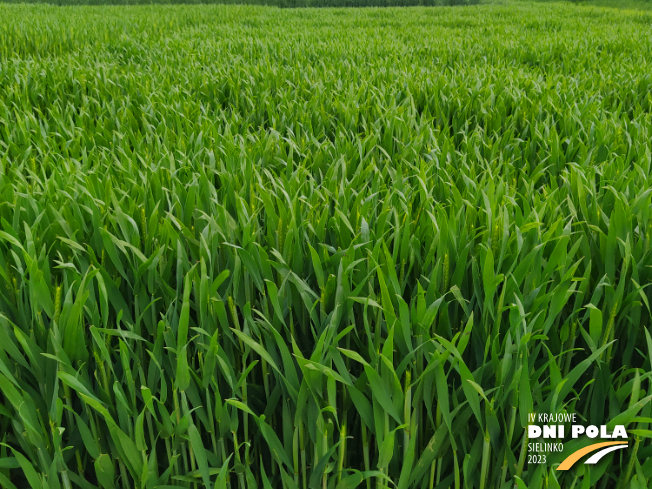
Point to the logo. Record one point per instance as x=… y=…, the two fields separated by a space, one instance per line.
x=594 y=459
x=552 y=430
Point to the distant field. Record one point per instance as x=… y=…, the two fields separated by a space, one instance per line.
x=619 y=4
x=255 y=247
x=274 y=3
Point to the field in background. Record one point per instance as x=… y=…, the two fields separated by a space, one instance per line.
x=250 y=247
x=619 y=4
x=274 y=3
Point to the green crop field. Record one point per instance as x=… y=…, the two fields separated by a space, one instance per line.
x=250 y=247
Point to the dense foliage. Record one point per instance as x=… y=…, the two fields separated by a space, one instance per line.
x=249 y=247
x=274 y=3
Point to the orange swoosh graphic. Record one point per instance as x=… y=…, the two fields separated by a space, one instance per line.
x=575 y=456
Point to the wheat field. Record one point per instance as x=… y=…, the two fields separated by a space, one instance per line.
x=250 y=247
